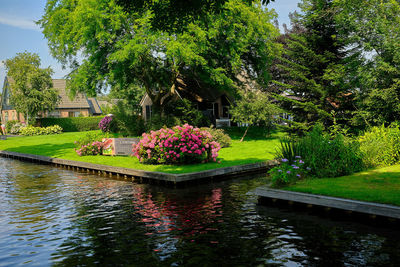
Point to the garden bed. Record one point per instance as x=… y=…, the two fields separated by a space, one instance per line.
x=62 y=146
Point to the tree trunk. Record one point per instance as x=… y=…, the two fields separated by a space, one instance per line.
x=245 y=132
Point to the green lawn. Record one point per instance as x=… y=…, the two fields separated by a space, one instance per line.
x=379 y=185
x=61 y=146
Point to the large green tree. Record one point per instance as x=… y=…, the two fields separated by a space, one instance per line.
x=153 y=44
x=373 y=26
x=32 y=89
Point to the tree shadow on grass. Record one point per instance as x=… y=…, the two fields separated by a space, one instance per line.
x=50 y=150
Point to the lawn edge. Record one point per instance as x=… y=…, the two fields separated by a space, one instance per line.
x=161 y=176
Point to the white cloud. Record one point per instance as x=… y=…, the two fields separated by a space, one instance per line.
x=22 y=23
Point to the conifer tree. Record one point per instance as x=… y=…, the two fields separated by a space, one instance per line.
x=311 y=78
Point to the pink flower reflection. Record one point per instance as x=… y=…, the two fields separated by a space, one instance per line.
x=189 y=219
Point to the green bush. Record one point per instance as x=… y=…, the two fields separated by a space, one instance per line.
x=75 y=124
x=31 y=130
x=10 y=124
x=127 y=122
x=381 y=145
x=330 y=157
x=325 y=157
x=219 y=136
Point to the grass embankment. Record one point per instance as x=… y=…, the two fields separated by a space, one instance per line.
x=378 y=185
x=255 y=149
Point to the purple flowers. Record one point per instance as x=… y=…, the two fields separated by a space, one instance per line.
x=105 y=123
x=181 y=144
x=284 y=160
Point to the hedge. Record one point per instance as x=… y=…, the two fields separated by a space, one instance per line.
x=74 y=124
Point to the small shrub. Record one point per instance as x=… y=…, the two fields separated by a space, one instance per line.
x=10 y=124
x=31 y=130
x=16 y=128
x=106 y=124
x=381 y=145
x=75 y=124
x=288 y=172
x=88 y=139
x=178 y=145
x=94 y=148
x=219 y=136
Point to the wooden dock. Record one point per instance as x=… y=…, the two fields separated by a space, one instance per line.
x=370 y=208
x=260 y=167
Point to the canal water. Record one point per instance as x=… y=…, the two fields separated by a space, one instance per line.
x=51 y=216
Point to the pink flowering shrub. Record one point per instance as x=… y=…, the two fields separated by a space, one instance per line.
x=94 y=148
x=181 y=144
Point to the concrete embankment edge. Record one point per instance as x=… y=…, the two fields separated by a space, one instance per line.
x=260 y=167
x=370 y=208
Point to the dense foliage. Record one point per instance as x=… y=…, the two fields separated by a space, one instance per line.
x=31 y=130
x=32 y=87
x=254 y=108
x=155 y=44
x=178 y=145
x=75 y=124
x=325 y=156
x=381 y=145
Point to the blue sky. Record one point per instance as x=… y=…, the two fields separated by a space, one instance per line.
x=19 y=33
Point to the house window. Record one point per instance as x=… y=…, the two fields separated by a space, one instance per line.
x=148 y=112
x=54 y=114
x=6 y=116
x=71 y=114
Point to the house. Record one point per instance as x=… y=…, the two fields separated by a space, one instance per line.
x=81 y=105
x=213 y=103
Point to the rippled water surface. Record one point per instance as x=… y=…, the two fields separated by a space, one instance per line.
x=51 y=216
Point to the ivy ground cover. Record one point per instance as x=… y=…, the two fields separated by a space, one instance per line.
x=380 y=185
x=62 y=146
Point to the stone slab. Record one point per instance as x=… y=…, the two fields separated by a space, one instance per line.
x=119 y=146
x=331 y=202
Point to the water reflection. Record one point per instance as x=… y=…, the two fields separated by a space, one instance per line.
x=57 y=217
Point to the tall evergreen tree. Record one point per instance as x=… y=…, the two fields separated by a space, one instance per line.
x=312 y=78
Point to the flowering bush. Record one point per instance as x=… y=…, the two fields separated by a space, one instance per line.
x=288 y=172
x=106 y=124
x=31 y=130
x=94 y=148
x=184 y=144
